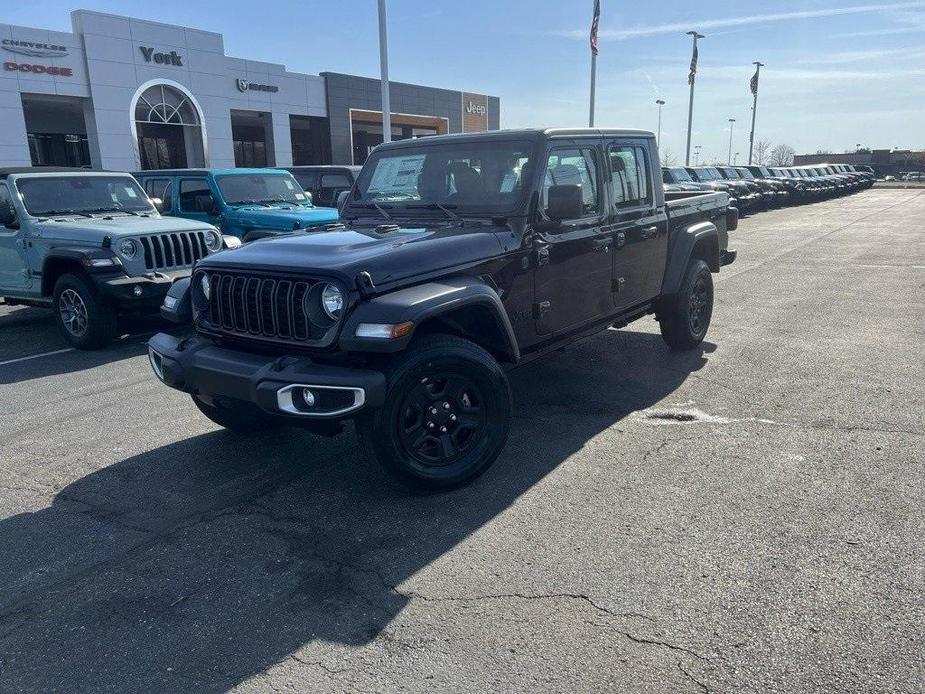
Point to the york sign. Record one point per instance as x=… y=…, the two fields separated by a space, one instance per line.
x=171 y=58
x=38 y=69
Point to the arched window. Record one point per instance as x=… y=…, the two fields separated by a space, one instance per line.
x=164 y=104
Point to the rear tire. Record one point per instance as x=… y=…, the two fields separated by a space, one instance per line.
x=241 y=417
x=685 y=318
x=446 y=417
x=83 y=315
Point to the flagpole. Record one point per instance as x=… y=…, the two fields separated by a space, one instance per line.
x=593 y=80
x=384 y=76
x=595 y=24
x=690 y=108
x=751 y=138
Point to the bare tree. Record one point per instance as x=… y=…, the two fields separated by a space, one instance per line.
x=782 y=155
x=669 y=158
x=762 y=151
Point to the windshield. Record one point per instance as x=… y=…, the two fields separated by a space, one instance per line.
x=680 y=175
x=46 y=195
x=267 y=189
x=730 y=172
x=707 y=174
x=765 y=171
x=464 y=176
x=745 y=173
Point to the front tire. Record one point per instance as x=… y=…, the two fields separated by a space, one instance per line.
x=446 y=416
x=685 y=318
x=84 y=317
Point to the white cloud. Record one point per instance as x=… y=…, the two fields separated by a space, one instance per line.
x=707 y=24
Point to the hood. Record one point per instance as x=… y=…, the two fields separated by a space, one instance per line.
x=84 y=229
x=283 y=217
x=388 y=257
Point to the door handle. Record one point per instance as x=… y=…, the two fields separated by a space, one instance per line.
x=649 y=232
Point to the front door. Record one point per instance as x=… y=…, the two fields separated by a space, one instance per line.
x=196 y=200
x=13 y=270
x=641 y=229
x=574 y=257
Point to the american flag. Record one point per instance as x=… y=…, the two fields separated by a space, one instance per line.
x=595 y=22
x=693 y=72
x=754 y=83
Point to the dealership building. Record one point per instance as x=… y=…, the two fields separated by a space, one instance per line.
x=125 y=94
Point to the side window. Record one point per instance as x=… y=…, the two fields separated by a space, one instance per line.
x=574 y=166
x=6 y=203
x=159 y=188
x=630 y=173
x=308 y=181
x=195 y=195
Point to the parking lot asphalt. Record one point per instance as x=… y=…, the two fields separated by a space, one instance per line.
x=747 y=517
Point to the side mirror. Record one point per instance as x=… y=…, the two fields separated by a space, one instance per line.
x=158 y=204
x=565 y=202
x=7 y=215
x=342 y=200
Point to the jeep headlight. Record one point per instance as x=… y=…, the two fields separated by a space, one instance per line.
x=128 y=248
x=332 y=300
x=206 y=285
x=213 y=241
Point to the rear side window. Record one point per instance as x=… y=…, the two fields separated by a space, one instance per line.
x=5 y=201
x=159 y=188
x=308 y=181
x=574 y=166
x=630 y=184
x=195 y=195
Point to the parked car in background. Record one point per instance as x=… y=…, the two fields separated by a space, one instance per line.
x=325 y=182
x=91 y=246
x=756 y=193
x=446 y=275
x=774 y=192
x=244 y=203
x=745 y=199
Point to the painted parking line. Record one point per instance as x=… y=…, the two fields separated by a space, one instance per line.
x=36 y=356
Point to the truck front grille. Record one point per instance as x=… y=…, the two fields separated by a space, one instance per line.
x=173 y=251
x=265 y=308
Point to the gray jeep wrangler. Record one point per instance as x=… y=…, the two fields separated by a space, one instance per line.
x=91 y=245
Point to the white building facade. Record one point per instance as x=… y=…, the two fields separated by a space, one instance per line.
x=126 y=94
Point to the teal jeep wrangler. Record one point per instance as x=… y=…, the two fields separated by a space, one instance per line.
x=91 y=245
x=246 y=203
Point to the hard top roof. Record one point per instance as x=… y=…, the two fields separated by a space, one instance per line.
x=534 y=134
x=9 y=170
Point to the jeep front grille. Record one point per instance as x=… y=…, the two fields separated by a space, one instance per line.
x=266 y=308
x=173 y=251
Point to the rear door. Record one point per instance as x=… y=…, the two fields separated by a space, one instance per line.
x=638 y=221
x=574 y=257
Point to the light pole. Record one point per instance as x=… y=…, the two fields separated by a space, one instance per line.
x=732 y=122
x=658 y=138
x=691 y=78
x=697 y=149
x=751 y=139
x=384 y=77
x=736 y=156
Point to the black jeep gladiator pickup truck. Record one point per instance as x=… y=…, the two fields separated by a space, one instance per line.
x=460 y=256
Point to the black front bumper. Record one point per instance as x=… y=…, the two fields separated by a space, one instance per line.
x=144 y=293
x=198 y=366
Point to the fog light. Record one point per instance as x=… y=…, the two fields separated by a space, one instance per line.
x=137 y=290
x=308 y=397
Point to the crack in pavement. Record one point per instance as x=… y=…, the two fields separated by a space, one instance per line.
x=693 y=679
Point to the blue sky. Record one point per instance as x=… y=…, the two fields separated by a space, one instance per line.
x=837 y=72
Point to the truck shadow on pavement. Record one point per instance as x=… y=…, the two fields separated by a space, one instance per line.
x=195 y=566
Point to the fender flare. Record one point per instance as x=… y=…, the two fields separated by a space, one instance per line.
x=431 y=300
x=82 y=256
x=682 y=250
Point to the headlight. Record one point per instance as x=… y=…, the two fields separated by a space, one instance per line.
x=332 y=299
x=206 y=285
x=213 y=241
x=128 y=248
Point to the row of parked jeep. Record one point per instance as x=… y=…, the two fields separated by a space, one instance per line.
x=753 y=188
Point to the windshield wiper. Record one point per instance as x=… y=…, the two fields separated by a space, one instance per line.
x=100 y=210
x=249 y=202
x=282 y=202
x=374 y=206
x=446 y=209
x=55 y=213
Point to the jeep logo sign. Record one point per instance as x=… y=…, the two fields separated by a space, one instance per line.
x=477 y=109
x=171 y=58
x=474 y=113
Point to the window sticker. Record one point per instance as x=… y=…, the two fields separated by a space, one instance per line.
x=130 y=192
x=300 y=196
x=289 y=184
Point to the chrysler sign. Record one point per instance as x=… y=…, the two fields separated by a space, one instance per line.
x=35 y=50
